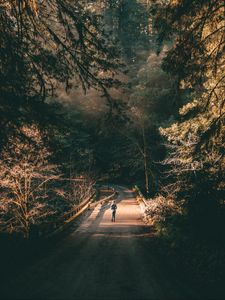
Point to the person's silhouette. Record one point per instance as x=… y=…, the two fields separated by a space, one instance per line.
x=113 y=208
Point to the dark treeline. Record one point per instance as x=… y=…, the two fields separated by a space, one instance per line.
x=121 y=91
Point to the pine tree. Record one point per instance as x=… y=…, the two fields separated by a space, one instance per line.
x=196 y=141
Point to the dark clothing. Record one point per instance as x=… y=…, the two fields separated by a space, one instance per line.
x=113 y=208
x=113 y=216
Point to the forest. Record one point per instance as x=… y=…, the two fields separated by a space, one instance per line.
x=127 y=92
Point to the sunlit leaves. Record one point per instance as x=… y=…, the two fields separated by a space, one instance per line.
x=25 y=173
x=196 y=144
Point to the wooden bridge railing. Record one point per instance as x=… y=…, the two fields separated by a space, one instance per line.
x=143 y=203
x=140 y=196
x=51 y=228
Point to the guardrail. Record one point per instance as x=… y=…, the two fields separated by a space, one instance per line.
x=104 y=200
x=68 y=217
x=143 y=204
x=140 y=196
x=56 y=226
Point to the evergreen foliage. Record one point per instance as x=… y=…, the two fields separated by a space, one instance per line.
x=45 y=44
x=197 y=140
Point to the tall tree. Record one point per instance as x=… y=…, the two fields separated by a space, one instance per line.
x=128 y=20
x=46 y=44
x=25 y=175
x=197 y=58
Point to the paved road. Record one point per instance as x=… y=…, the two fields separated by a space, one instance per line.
x=102 y=260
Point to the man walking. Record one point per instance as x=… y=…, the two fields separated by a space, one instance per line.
x=113 y=208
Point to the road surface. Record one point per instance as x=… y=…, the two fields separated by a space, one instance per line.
x=102 y=260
